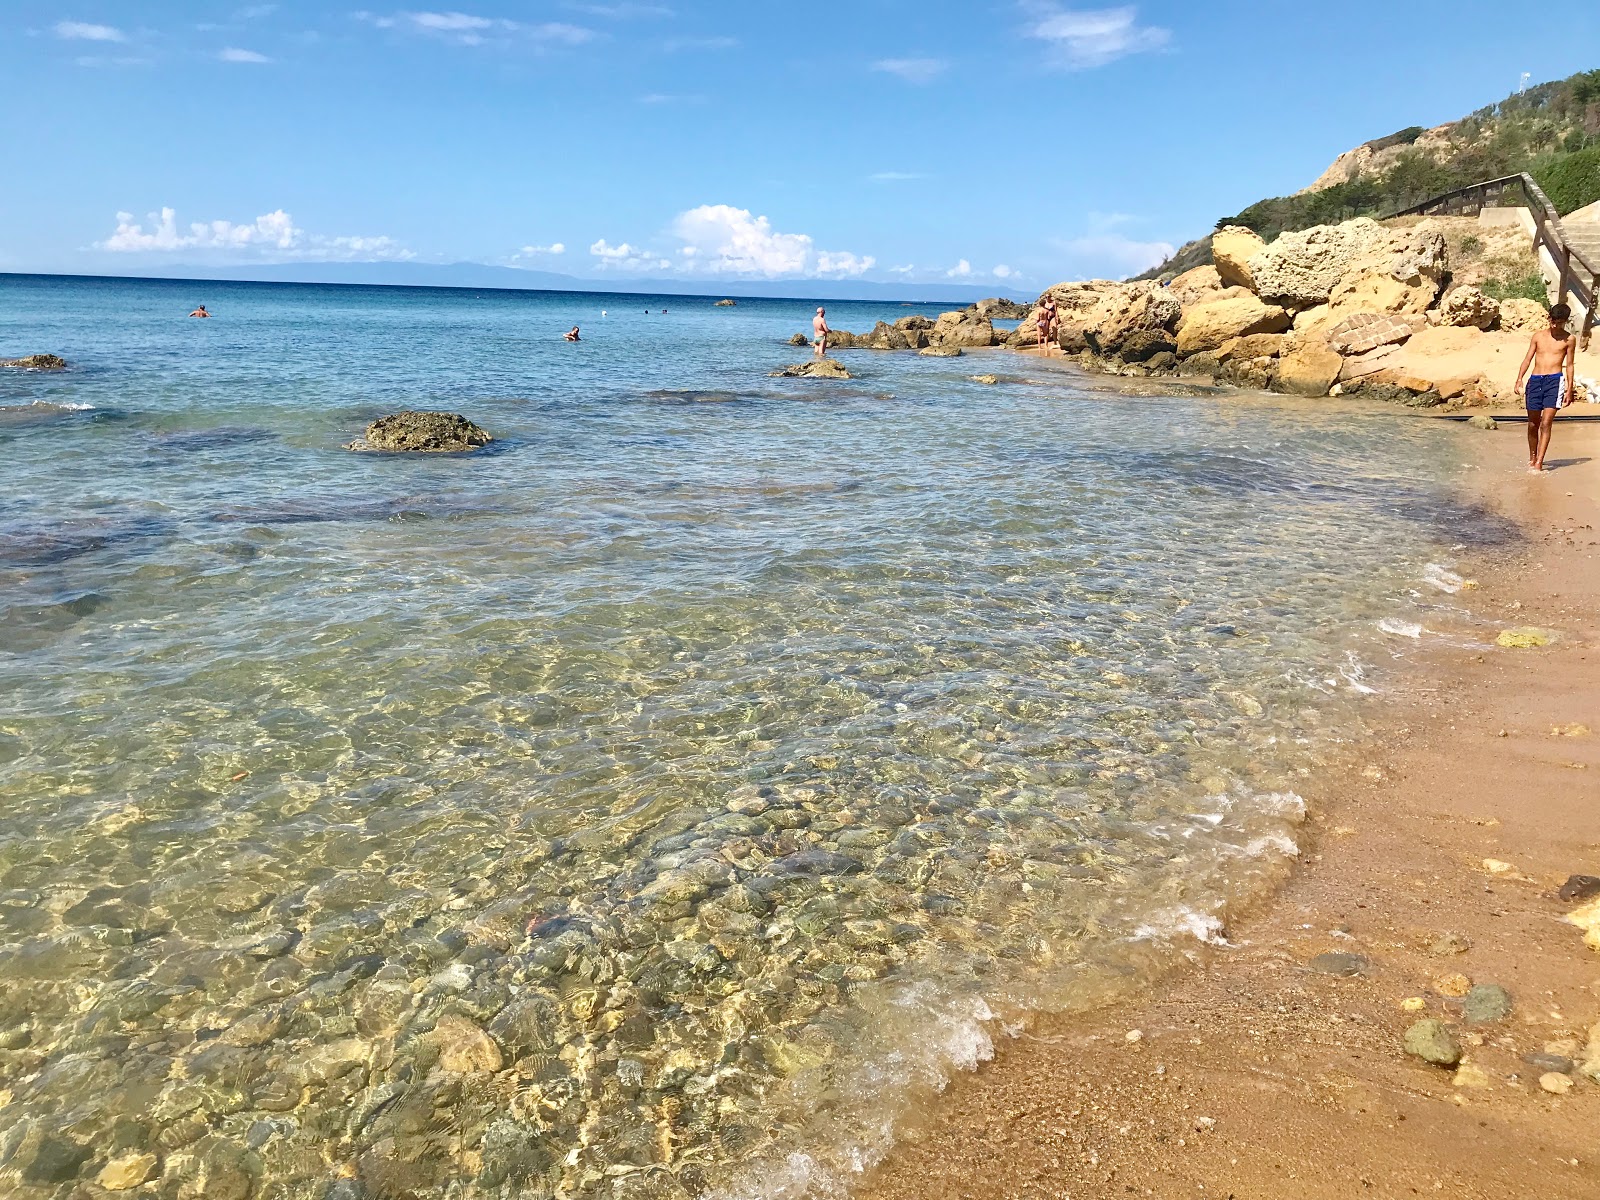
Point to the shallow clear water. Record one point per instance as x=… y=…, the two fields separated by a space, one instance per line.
x=658 y=801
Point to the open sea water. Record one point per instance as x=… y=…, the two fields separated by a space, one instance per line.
x=661 y=801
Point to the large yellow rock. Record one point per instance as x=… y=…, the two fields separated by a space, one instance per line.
x=1523 y=316
x=1377 y=292
x=1232 y=248
x=1207 y=326
x=1311 y=370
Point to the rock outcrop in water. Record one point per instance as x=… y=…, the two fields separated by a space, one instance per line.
x=817 y=368
x=423 y=432
x=36 y=362
x=726 y=304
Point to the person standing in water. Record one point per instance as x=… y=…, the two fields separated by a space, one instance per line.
x=1553 y=354
x=200 y=311
x=1047 y=325
x=820 y=332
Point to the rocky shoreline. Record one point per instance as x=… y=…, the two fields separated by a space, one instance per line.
x=1362 y=308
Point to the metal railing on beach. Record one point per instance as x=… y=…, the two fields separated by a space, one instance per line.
x=1578 y=276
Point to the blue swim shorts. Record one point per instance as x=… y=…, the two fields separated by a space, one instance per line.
x=1544 y=391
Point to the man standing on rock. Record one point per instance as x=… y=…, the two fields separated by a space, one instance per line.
x=820 y=332
x=1553 y=355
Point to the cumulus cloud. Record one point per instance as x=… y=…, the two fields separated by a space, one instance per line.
x=233 y=54
x=724 y=240
x=82 y=31
x=960 y=271
x=271 y=235
x=553 y=248
x=1083 y=38
x=631 y=257
x=912 y=70
x=1003 y=272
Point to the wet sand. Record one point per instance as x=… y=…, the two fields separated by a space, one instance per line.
x=1259 y=1077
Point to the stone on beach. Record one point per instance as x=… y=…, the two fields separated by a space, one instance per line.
x=464 y=1049
x=1345 y=966
x=1521 y=315
x=941 y=352
x=1468 y=307
x=1587 y=918
x=36 y=362
x=1301 y=268
x=1486 y=1004
x=126 y=1171
x=1522 y=639
x=423 y=432
x=799 y=339
x=1432 y=1041
x=817 y=368
x=1579 y=888
x=1365 y=331
x=1208 y=326
x=1311 y=370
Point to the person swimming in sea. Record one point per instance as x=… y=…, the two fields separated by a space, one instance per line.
x=200 y=311
x=572 y=335
x=1552 y=353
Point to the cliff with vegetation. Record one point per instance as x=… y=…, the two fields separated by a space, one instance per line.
x=1551 y=131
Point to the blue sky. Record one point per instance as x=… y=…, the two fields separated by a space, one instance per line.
x=1014 y=141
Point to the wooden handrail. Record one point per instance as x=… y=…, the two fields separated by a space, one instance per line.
x=1547 y=233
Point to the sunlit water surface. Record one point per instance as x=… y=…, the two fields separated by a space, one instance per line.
x=653 y=804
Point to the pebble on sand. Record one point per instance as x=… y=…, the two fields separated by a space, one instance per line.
x=1486 y=1004
x=1454 y=985
x=1470 y=1075
x=1522 y=639
x=126 y=1171
x=1432 y=1041
x=1413 y=1004
x=1345 y=966
x=1555 y=1083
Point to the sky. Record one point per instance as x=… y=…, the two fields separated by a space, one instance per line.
x=1018 y=142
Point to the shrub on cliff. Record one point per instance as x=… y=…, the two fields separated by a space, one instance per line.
x=1572 y=181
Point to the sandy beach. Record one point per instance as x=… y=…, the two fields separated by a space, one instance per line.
x=1434 y=851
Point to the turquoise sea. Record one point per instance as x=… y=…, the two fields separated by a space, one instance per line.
x=662 y=801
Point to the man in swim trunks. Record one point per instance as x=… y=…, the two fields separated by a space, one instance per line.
x=1553 y=355
x=572 y=335
x=819 y=327
x=200 y=312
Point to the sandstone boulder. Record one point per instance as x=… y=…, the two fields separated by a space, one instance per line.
x=1208 y=326
x=1302 y=268
x=799 y=339
x=1310 y=370
x=1364 y=331
x=1361 y=365
x=1380 y=292
x=1257 y=345
x=1134 y=308
x=906 y=324
x=843 y=339
x=997 y=309
x=1520 y=315
x=817 y=368
x=423 y=432
x=885 y=336
x=36 y=362
x=1143 y=345
x=962 y=329
x=1196 y=286
x=1468 y=306
x=941 y=352
x=1232 y=248
x=725 y=304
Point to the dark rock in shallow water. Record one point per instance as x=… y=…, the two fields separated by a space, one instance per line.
x=1346 y=966
x=423 y=432
x=817 y=368
x=799 y=339
x=36 y=362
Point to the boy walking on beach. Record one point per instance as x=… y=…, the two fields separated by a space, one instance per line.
x=1553 y=355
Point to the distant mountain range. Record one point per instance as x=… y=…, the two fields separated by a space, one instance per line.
x=479 y=275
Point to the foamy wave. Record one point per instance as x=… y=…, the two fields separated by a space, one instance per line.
x=1177 y=923
x=1399 y=628
x=1442 y=578
x=47 y=406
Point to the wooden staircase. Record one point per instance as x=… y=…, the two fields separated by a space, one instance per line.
x=1571 y=248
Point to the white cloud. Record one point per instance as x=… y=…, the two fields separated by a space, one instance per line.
x=905 y=270
x=233 y=54
x=469 y=29
x=960 y=271
x=449 y=22
x=912 y=70
x=724 y=240
x=255 y=12
x=82 y=31
x=1003 y=272
x=271 y=235
x=896 y=176
x=1083 y=38
x=553 y=248
x=556 y=31
x=624 y=11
